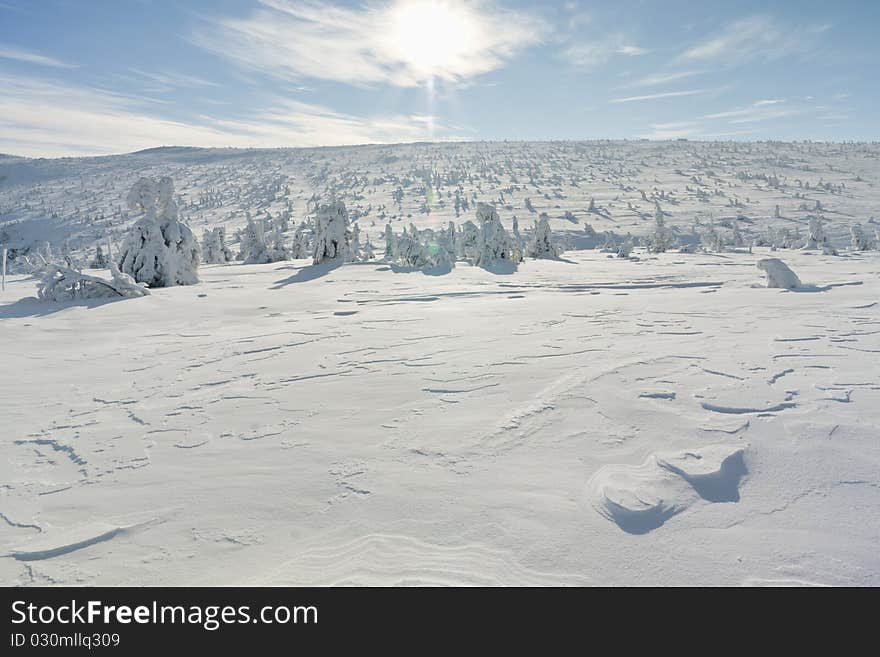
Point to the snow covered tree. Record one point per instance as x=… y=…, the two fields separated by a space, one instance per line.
x=332 y=234
x=859 y=240
x=495 y=243
x=368 y=252
x=214 y=249
x=253 y=249
x=541 y=245
x=159 y=250
x=301 y=244
x=390 y=244
x=100 y=260
x=58 y=283
x=817 y=237
x=662 y=239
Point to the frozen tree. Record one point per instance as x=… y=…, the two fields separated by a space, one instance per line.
x=467 y=242
x=495 y=243
x=214 y=249
x=278 y=249
x=817 y=237
x=332 y=234
x=159 y=250
x=409 y=251
x=390 y=244
x=778 y=273
x=301 y=245
x=368 y=251
x=100 y=260
x=252 y=244
x=661 y=240
x=860 y=241
x=355 y=253
x=448 y=238
x=58 y=283
x=541 y=245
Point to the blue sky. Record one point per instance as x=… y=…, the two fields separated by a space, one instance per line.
x=83 y=77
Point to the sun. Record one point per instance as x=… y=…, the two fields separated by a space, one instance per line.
x=430 y=35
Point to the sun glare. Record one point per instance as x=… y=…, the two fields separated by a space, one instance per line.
x=430 y=34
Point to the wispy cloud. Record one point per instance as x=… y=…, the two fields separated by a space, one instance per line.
x=50 y=118
x=19 y=55
x=362 y=44
x=169 y=80
x=665 y=94
x=660 y=78
x=755 y=37
x=591 y=54
x=761 y=110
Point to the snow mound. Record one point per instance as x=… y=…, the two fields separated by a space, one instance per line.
x=640 y=498
x=778 y=273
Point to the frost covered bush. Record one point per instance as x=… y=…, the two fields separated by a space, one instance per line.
x=778 y=273
x=57 y=283
x=159 y=250
x=541 y=245
x=332 y=234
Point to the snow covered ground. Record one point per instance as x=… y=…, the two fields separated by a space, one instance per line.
x=665 y=419
x=591 y=421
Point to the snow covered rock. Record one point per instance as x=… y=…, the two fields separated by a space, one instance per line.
x=778 y=273
x=159 y=250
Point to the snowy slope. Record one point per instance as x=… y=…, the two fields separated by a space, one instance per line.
x=666 y=420
x=730 y=183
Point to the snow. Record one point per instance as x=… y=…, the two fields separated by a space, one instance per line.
x=661 y=418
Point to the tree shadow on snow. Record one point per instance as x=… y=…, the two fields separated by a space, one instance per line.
x=33 y=307
x=308 y=273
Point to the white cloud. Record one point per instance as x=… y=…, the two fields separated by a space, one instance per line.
x=361 y=45
x=591 y=54
x=661 y=78
x=16 y=54
x=44 y=118
x=674 y=130
x=755 y=37
x=761 y=110
x=632 y=51
x=665 y=94
x=174 y=80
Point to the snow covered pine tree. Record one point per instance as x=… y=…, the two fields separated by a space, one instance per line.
x=159 y=250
